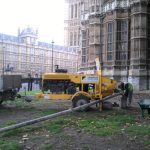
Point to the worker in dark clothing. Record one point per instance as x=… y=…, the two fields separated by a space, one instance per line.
x=30 y=81
x=126 y=98
x=128 y=92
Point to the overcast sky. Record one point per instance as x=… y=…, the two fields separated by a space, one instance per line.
x=45 y=15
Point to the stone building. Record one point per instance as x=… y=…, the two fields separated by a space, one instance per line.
x=72 y=25
x=118 y=32
x=24 y=54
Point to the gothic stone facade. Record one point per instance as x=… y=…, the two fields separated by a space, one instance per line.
x=118 y=32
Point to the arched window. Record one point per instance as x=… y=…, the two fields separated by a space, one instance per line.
x=76 y=10
x=72 y=9
x=71 y=39
x=75 y=39
x=109 y=41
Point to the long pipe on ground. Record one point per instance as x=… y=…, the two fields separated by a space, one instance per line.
x=44 y=118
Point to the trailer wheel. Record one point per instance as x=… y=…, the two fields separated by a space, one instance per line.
x=79 y=101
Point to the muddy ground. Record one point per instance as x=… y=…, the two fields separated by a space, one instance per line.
x=70 y=138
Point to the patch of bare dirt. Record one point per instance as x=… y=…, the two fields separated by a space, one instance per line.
x=72 y=139
x=13 y=113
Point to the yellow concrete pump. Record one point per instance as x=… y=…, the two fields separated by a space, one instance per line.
x=80 y=88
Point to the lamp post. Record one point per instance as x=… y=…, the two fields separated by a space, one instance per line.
x=3 y=60
x=52 y=55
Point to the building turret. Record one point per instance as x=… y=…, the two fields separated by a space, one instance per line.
x=139 y=44
x=28 y=35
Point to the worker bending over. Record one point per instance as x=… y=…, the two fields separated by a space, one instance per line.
x=126 y=99
x=128 y=93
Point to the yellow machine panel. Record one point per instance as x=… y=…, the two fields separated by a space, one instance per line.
x=102 y=86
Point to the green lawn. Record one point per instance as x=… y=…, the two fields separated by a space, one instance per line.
x=29 y=93
x=103 y=124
